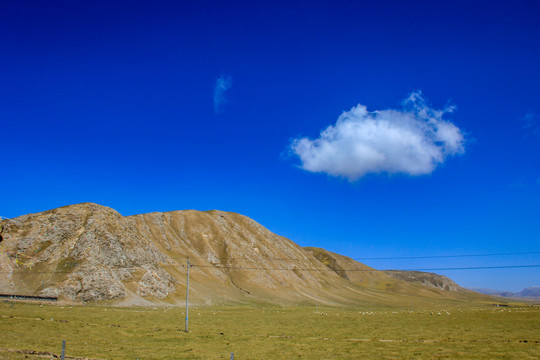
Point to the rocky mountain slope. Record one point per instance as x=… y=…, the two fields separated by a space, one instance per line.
x=425 y=278
x=532 y=292
x=88 y=252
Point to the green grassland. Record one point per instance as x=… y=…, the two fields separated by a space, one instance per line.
x=33 y=331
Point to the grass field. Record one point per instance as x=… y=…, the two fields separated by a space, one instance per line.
x=31 y=331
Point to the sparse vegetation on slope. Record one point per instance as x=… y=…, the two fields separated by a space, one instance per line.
x=425 y=278
x=88 y=252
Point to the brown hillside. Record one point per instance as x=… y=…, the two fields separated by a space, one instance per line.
x=88 y=252
x=426 y=278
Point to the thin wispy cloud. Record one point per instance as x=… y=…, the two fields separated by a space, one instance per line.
x=530 y=123
x=412 y=140
x=223 y=83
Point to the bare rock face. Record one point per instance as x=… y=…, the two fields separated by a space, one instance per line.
x=88 y=252
x=101 y=284
x=83 y=252
x=425 y=278
x=156 y=282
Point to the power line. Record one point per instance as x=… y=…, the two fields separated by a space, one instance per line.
x=448 y=256
x=304 y=269
x=270 y=259
x=476 y=268
x=366 y=270
x=393 y=258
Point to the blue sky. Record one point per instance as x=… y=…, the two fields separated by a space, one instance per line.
x=158 y=106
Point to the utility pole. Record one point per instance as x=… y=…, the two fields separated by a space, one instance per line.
x=187 y=295
x=63 y=350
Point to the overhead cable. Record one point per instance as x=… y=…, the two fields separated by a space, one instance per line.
x=296 y=269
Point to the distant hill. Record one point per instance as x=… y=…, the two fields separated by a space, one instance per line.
x=425 y=278
x=89 y=252
x=532 y=292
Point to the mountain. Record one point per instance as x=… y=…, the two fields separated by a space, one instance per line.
x=532 y=292
x=425 y=278
x=89 y=252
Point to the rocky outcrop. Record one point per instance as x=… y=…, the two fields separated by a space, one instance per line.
x=156 y=282
x=425 y=278
x=83 y=252
x=88 y=252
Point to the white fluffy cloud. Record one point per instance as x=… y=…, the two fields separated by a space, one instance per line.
x=223 y=83
x=412 y=140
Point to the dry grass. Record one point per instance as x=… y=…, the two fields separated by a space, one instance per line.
x=262 y=333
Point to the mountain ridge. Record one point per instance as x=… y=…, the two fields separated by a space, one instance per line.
x=531 y=292
x=90 y=252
